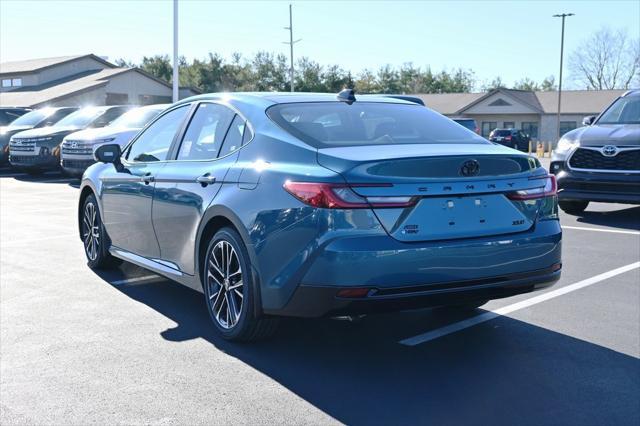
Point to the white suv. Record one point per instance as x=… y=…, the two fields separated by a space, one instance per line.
x=78 y=147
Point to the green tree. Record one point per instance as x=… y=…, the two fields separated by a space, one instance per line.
x=158 y=66
x=526 y=84
x=366 y=83
x=548 y=84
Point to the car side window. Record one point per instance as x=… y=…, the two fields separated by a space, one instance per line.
x=154 y=143
x=205 y=133
x=248 y=135
x=233 y=140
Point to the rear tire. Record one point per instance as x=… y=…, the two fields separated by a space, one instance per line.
x=230 y=290
x=94 y=237
x=573 y=207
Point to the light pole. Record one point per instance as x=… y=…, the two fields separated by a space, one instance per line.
x=563 y=16
x=291 y=42
x=176 y=78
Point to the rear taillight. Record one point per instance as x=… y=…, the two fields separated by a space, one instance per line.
x=507 y=138
x=341 y=196
x=549 y=188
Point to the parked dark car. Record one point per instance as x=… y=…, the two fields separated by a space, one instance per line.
x=513 y=138
x=42 y=117
x=601 y=161
x=312 y=205
x=467 y=122
x=8 y=114
x=37 y=150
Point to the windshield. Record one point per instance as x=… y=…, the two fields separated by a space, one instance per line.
x=623 y=111
x=336 y=124
x=136 y=118
x=32 y=118
x=81 y=118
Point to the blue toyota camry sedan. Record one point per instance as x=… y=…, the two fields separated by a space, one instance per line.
x=309 y=205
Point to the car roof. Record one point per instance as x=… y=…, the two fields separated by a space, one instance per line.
x=632 y=92
x=286 y=97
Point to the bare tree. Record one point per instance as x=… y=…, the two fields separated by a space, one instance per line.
x=606 y=60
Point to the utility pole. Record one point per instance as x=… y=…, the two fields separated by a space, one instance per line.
x=176 y=78
x=563 y=16
x=291 y=42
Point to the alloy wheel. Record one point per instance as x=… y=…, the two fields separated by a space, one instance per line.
x=224 y=283
x=91 y=231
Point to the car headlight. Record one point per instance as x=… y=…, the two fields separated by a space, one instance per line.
x=565 y=145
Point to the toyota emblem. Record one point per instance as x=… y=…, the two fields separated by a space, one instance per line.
x=470 y=168
x=609 y=150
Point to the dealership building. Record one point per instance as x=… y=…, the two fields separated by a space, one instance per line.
x=77 y=81
x=535 y=113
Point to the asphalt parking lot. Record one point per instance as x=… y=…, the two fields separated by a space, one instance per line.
x=129 y=347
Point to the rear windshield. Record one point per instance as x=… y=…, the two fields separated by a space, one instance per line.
x=501 y=132
x=337 y=124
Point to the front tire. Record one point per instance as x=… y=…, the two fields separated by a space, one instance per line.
x=229 y=290
x=94 y=236
x=573 y=207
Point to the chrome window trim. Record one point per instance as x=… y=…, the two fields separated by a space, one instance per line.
x=598 y=149
x=236 y=112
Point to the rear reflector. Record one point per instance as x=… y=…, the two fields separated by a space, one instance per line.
x=549 y=189
x=353 y=292
x=340 y=196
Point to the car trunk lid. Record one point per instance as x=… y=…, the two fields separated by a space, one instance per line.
x=460 y=191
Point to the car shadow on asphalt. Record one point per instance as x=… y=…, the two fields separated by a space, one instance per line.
x=501 y=372
x=628 y=218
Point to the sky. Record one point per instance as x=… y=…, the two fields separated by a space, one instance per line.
x=510 y=39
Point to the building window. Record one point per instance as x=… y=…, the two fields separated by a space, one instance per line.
x=6 y=82
x=567 y=126
x=530 y=128
x=509 y=124
x=487 y=127
x=16 y=82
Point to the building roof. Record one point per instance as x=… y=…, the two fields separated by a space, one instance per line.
x=449 y=103
x=55 y=90
x=35 y=65
x=578 y=101
x=573 y=101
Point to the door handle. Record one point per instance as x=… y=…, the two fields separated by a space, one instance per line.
x=206 y=179
x=148 y=178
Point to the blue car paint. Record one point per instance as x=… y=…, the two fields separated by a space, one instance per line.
x=291 y=244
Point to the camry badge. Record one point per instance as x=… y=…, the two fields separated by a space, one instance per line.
x=470 y=168
x=609 y=150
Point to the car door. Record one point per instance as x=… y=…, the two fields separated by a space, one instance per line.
x=127 y=195
x=186 y=186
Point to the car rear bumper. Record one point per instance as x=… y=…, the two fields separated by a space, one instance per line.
x=601 y=187
x=318 y=301
x=399 y=275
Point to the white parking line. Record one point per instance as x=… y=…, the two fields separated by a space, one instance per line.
x=613 y=231
x=137 y=279
x=489 y=315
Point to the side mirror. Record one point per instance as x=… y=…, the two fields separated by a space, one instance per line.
x=588 y=120
x=109 y=153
